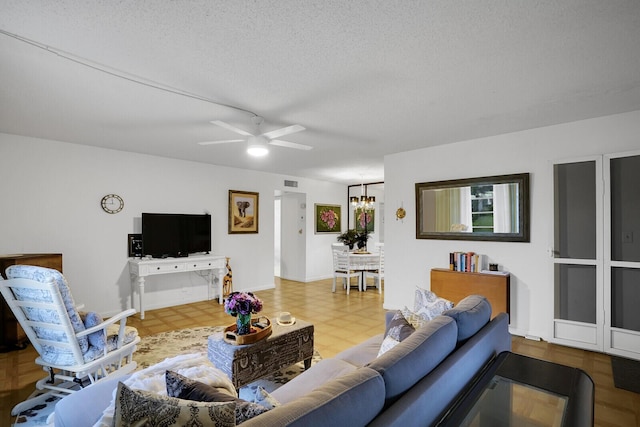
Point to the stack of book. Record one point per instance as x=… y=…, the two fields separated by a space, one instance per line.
x=466 y=261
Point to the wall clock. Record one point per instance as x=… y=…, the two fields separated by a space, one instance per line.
x=112 y=203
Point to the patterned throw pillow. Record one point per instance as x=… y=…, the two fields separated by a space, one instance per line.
x=184 y=388
x=429 y=305
x=416 y=320
x=137 y=407
x=398 y=330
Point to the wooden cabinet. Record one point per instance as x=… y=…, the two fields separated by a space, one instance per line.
x=455 y=285
x=11 y=334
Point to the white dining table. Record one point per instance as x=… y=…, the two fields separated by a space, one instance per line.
x=364 y=261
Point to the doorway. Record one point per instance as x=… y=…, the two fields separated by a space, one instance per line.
x=290 y=235
x=595 y=255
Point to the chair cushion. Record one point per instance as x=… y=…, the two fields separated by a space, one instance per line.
x=41 y=274
x=471 y=314
x=111 y=343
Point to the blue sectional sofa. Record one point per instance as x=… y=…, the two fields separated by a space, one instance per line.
x=414 y=383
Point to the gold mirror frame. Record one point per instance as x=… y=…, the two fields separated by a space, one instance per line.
x=426 y=210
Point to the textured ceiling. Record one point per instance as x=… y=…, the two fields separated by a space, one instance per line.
x=366 y=78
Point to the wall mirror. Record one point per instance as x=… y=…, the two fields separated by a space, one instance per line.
x=494 y=208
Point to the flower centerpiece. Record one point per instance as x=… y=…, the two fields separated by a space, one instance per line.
x=241 y=305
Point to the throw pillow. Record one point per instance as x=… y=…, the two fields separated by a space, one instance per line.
x=416 y=320
x=398 y=330
x=184 y=388
x=263 y=398
x=137 y=407
x=96 y=339
x=429 y=305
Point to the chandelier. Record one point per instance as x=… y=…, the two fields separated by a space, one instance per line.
x=363 y=202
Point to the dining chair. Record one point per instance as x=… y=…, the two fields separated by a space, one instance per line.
x=340 y=246
x=377 y=272
x=342 y=268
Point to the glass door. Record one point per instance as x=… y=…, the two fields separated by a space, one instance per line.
x=578 y=254
x=622 y=249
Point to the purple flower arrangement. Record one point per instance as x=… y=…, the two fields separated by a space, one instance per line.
x=242 y=303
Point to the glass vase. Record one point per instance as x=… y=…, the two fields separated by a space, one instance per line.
x=243 y=324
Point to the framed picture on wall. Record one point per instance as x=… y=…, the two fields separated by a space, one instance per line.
x=135 y=245
x=243 y=212
x=328 y=218
x=364 y=219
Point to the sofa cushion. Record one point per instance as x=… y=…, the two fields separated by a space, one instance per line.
x=184 y=388
x=363 y=353
x=405 y=364
x=311 y=379
x=138 y=407
x=471 y=314
x=353 y=399
x=398 y=330
x=429 y=305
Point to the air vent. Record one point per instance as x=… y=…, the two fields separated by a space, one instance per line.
x=288 y=183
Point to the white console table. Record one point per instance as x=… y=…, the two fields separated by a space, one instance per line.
x=141 y=268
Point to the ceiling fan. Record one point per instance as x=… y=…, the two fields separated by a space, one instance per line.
x=257 y=143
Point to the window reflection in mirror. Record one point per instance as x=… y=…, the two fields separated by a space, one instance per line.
x=488 y=208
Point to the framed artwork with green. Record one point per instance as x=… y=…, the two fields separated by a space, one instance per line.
x=328 y=218
x=364 y=219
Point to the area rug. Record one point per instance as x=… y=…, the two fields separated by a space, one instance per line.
x=156 y=348
x=626 y=373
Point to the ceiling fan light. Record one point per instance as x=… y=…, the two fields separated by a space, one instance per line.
x=257 y=147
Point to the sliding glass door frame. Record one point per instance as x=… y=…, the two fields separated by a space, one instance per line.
x=576 y=333
x=617 y=341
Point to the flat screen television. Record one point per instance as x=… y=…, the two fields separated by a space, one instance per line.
x=175 y=235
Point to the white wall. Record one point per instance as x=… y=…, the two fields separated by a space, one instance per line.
x=409 y=260
x=51 y=195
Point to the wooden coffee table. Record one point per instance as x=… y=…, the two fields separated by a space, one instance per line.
x=246 y=363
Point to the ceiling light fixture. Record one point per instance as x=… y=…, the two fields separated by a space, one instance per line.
x=365 y=202
x=257 y=146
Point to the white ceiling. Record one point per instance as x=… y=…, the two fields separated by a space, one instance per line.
x=366 y=78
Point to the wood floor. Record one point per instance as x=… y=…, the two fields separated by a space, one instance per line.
x=340 y=322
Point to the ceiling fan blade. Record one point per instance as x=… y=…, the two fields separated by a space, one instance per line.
x=220 y=142
x=231 y=128
x=287 y=144
x=283 y=131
